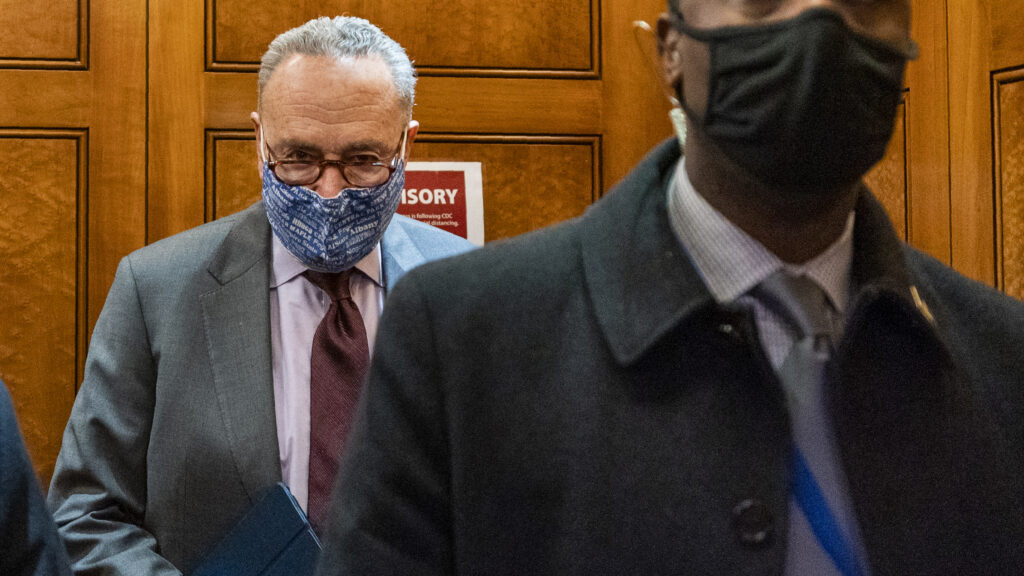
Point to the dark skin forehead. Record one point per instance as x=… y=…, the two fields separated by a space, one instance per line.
x=887 y=20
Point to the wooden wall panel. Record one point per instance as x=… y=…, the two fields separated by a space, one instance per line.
x=232 y=177
x=175 y=178
x=483 y=105
x=1007 y=18
x=985 y=50
x=510 y=106
x=888 y=180
x=1009 y=90
x=496 y=38
x=970 y=140
x=44 y=34
x=42 y=245
x=118 y=125
x=927 y=131
x=74 y=112
x=528 y=182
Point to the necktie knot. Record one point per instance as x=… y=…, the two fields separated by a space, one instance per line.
x=801 y=303
x=823 y=532
x=335 y=284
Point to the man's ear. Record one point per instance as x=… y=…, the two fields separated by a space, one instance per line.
x=255 y=117
x=668 y=53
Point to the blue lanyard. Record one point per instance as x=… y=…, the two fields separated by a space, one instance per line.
x=823 y=523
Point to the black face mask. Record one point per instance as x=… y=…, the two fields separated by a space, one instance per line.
x=803 y=102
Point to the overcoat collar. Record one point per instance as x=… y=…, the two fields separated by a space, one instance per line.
x=643 y=284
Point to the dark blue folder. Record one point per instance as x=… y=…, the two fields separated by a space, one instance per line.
x=274 y=538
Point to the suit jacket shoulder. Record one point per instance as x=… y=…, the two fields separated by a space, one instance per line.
x=407 y=243
x=232 y=243
x=984 y=329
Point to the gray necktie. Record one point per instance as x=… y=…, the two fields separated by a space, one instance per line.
x=804 y=374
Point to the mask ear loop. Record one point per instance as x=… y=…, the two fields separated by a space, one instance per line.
x=650 y=54
x=263 y=143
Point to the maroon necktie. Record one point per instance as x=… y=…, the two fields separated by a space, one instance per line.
x=337 y=366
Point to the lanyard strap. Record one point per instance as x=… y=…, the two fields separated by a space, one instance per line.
x=823 y=523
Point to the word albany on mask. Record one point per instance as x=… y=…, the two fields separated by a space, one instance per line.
x=331 y=234
x=803 y=102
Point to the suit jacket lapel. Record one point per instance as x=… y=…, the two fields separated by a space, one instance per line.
x=236 y=318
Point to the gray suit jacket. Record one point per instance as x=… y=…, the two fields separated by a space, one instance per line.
x=173 y=431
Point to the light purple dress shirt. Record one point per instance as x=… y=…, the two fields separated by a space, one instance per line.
x=296 y=308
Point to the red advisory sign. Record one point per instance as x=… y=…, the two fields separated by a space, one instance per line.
x=447 y=195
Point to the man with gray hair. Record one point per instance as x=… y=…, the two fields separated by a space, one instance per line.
x=228 y=358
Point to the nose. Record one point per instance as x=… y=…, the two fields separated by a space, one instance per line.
x=886 y=21
x=796 y=7
x=331 y=182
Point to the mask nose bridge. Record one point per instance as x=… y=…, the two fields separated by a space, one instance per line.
x=843 y=9
x=322 y=183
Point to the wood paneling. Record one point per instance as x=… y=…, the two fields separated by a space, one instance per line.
x=490 y=38
x=970 y=140
x=928 y=133
x=985 y=47
x=45 y=98
x=42 y=245
x=1007 y=20
x=74 y=147
x=44 y=34
x=117 y=126
x=1009 y=90
x=176 y=108
x=232 y=177
x=528 y=182
x=510 y=106
x=888 y=180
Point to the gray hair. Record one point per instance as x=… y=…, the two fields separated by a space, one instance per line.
x=342 y=37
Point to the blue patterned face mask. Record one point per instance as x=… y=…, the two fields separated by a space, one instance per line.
x=331 y=234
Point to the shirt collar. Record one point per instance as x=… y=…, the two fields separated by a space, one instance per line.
x=286 y=266
x=731 y=262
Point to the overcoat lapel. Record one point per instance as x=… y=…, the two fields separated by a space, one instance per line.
x=916 y=443
x=641 y=281
x=236 y=318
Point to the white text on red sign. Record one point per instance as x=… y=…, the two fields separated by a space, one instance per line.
x=429 y=196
